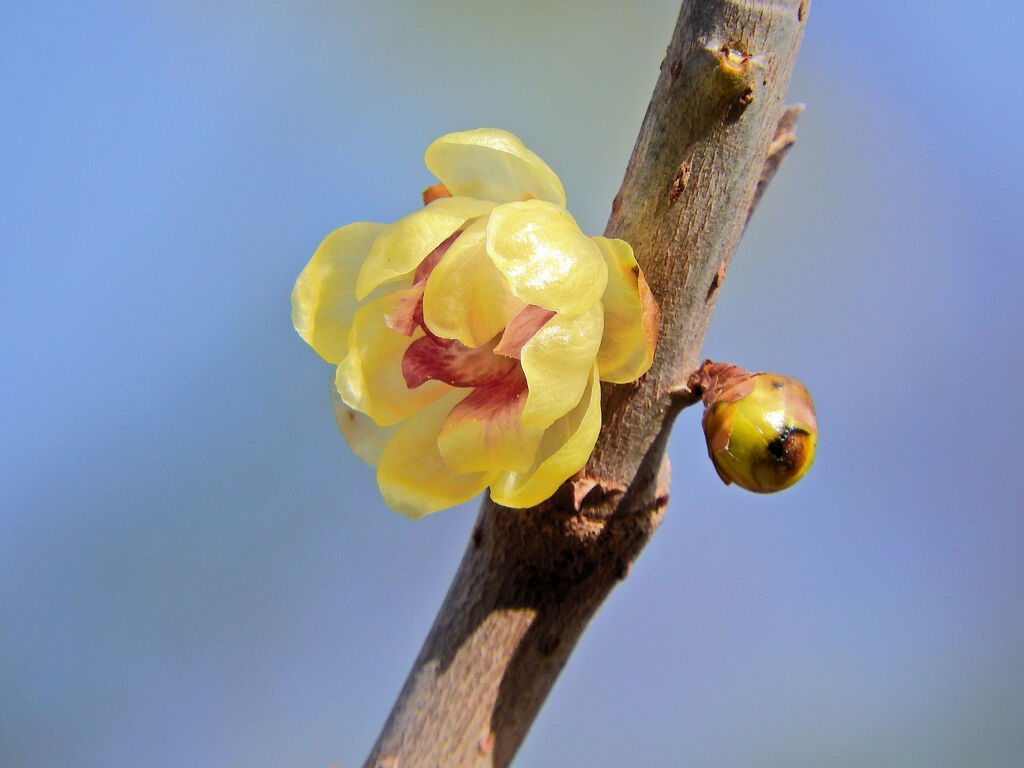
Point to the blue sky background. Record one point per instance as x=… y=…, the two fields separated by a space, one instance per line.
x=194 y=571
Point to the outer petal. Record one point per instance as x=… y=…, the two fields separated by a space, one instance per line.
x=364 y=437
x=370 y=377
x=557 y=362
x=545 y=257
x=466 y=297
x=631 y=316
x=412 y=476
x=324 y=297
x=564 y=449
x=400 y=248
x=492 y=164
x=484 y=431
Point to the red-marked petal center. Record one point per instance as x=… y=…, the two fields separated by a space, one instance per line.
x=453 y=363
x=493 y=366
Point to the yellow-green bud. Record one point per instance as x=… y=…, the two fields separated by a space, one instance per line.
x=761 y=428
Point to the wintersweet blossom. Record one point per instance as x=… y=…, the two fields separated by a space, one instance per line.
x=471 y=336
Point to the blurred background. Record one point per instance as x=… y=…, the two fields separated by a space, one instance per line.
x=194 y=571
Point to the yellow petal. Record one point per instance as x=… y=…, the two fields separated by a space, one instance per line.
x=484 y=431
x=564 y=449
x=370 y=377
x=631 y=317
x=364 y=437
x=324 y=297
x=545 y=257
x=466 y=297
x=491 y=164
x=557 y=362
x=413 y=478
x=400 y=248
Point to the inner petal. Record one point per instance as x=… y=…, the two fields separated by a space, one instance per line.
x=521 y=329
x=406 y=315
x=427 y=265
x=466 y=297
x=454 y=363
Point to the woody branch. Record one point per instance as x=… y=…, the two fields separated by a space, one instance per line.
x=531 y=580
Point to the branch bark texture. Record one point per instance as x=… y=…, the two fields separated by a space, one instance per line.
x=531 y=580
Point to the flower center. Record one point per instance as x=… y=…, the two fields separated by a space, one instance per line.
x=449 y=360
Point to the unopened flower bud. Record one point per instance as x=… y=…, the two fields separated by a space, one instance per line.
x=761 y=429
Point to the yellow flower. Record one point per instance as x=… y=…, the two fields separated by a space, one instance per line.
x=471 y=335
